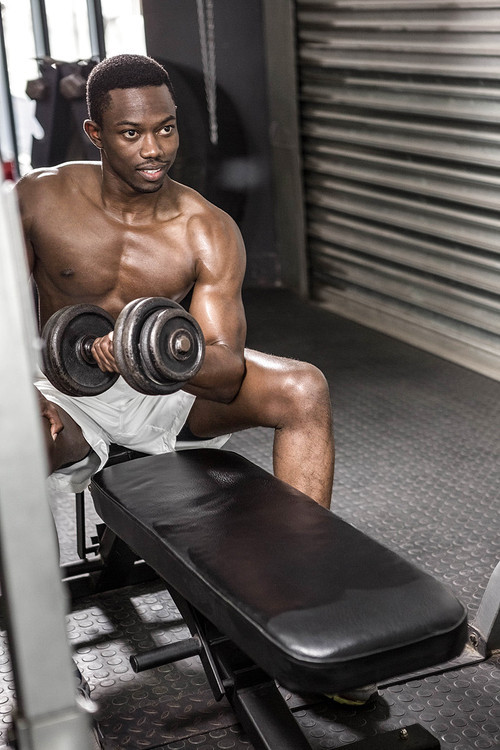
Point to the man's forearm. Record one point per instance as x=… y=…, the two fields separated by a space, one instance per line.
x=221 y=375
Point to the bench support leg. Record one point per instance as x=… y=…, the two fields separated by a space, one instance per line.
x=120 y=566
x=266 y=719
x=254 y=696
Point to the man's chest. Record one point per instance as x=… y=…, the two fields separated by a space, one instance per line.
x=96 y=258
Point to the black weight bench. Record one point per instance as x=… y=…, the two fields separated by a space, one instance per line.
x=274 y=587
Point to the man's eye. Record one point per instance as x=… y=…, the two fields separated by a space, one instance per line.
x=130 y=133
x=167 y=129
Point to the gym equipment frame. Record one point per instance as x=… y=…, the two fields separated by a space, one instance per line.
x=48 y=715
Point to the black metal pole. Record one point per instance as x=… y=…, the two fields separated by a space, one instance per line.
x=96 y=29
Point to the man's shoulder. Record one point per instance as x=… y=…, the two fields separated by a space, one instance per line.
x=198 y=210
x=211 y=233
x=60 y=177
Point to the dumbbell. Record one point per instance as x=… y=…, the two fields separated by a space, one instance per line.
x=157 y=345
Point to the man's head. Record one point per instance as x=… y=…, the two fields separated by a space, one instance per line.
x=122 y=72
x=132 y=122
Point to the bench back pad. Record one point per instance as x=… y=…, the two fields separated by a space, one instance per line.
x=316 y=603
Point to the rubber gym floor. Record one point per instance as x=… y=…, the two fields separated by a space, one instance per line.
x=418 y=468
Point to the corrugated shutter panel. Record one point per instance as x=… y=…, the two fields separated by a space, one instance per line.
x=400 y=107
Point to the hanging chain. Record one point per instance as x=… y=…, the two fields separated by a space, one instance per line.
x=206 y=27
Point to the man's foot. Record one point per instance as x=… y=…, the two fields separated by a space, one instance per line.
x=358 y=697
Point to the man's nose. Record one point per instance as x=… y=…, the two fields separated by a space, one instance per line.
x=150 y=146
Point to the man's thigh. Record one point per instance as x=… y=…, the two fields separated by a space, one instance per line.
x=259 y=402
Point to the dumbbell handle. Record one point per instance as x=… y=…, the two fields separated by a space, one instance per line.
x=181 y=347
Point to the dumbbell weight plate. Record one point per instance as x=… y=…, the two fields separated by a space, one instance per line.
x=36 y=89
x=172 y=345
x=126 y=345
x=66 y=363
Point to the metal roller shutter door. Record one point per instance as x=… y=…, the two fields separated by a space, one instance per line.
x=400 y=118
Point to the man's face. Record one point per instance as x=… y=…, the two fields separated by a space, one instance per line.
x=139 y=138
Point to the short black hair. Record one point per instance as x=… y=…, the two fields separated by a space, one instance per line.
x=122 y=72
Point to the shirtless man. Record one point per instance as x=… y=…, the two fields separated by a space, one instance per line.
x=112 y=231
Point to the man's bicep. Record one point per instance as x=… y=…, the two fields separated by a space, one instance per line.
x=220 y=267
x=220 y=313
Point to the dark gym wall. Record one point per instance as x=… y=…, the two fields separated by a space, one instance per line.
x=235 y=174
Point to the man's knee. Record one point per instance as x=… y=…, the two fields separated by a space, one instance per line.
x=285 y=391
x=296 y=391
x=307 y=390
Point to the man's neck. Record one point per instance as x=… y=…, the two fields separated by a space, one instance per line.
x=132 y=207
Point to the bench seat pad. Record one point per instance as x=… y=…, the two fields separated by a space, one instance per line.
x=316 y=603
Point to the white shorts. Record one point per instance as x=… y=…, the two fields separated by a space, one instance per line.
x=121 y=415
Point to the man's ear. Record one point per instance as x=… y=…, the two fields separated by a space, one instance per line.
x=93 y=131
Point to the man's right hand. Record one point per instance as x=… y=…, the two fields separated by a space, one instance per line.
x=102 y=351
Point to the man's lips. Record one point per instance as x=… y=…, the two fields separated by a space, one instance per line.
x=152 y=172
